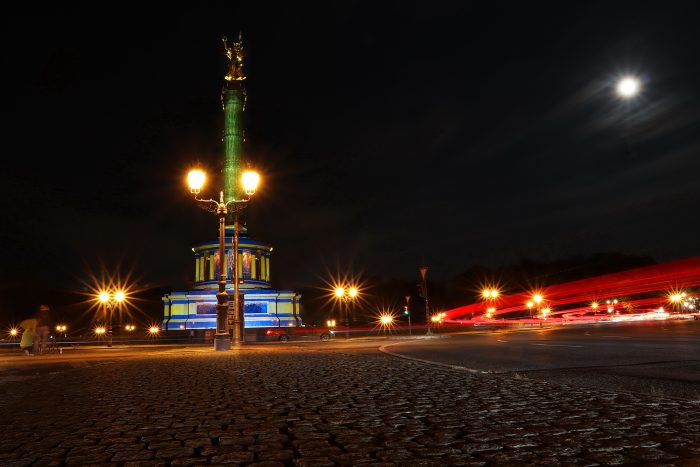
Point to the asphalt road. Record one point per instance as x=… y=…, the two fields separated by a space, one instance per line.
x=658 y=358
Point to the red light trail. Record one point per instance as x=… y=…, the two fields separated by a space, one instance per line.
x=659 y=280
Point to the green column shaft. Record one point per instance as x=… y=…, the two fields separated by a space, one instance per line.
x=233 y=142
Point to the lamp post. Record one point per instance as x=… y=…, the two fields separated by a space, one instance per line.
x=490 y=295
x=424 y=288
x=345 y=294
x=111 y=299
x=196 y=178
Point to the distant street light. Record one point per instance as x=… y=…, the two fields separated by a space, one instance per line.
x=110 y=300
x=628 y=87
x=490 y=294
x=676 y=298
x=250 y=180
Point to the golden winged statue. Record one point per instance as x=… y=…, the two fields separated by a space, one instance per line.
x=235 y=55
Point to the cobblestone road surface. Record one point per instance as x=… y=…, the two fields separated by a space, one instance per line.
x=316 y=406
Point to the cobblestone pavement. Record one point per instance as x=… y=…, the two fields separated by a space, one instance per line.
x=319 y=406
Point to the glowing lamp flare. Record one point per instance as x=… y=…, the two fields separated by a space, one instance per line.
x=195 y=179
x=339 y=292
x=120 y=296
x=104 y=297
x=537 y=298
x=154 y=330
x=14 y=332
x=386 y=319
x=250 y=181
x=353 y=292
x=490 y=293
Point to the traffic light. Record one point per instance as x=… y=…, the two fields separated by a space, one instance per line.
x=405 y=309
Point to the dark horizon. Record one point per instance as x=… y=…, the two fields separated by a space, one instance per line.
x=388 y=136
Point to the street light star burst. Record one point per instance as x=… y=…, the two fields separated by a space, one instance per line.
x=385 y=320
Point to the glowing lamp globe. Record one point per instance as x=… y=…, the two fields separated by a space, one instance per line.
x=339 y=292
x=119 y=296
x=353 y=292
x=104 y=297
x=195 y=179
x=250 y=182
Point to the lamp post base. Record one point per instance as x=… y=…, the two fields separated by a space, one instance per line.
x=222 y=342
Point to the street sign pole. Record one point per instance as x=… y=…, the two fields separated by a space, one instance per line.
x=423 y=272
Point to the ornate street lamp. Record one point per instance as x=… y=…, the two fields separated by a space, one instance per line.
x=250 y=180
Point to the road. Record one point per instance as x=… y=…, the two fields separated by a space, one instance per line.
x=660 y=358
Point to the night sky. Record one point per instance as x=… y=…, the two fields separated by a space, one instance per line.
x=450 y=133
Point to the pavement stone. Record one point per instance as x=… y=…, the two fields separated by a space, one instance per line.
x=297 y=406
